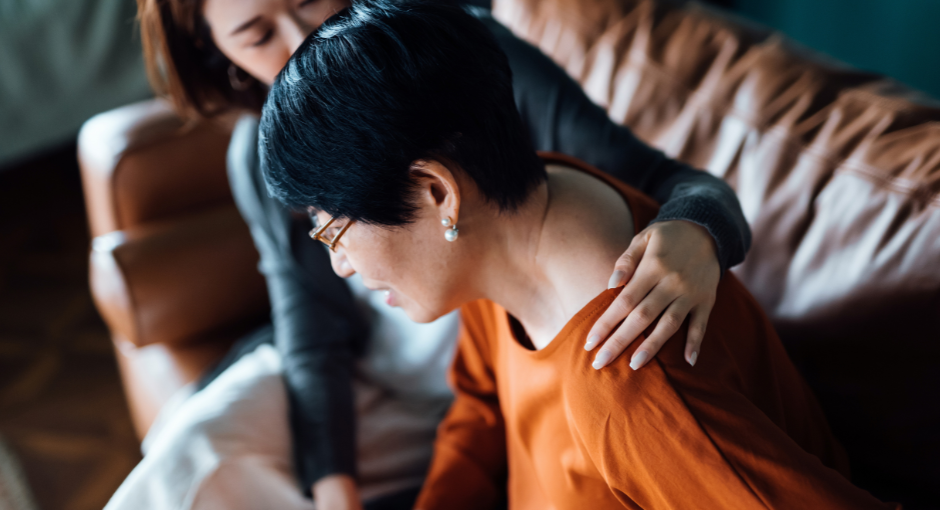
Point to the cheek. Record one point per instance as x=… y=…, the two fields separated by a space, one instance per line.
x=372 y=254
x=416 y=263
x=424 y=274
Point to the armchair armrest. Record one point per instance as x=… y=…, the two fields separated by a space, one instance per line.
x=178 y=280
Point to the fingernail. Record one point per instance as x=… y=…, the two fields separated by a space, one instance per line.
x=616 y=279
x=638 y=359
x=591 y=342
x=693 y=358
x=601 y=360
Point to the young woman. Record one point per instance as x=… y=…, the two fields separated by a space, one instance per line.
x=413 y=158
x=215 y=56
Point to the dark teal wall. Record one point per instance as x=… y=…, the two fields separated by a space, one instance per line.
x=900 y=38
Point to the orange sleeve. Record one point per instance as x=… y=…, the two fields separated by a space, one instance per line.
x=657 y=447
x=469 y=469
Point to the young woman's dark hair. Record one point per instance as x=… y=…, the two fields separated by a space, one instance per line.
x=184 y=64
x=380 y=86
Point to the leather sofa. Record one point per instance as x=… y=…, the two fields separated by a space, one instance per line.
x=838 y=172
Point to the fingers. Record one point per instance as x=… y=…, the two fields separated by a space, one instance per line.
x=624 y=304
x=697 y=324
x=639 y=319
x=626 y=265
x=668 y=325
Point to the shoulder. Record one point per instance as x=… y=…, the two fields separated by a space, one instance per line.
x=259 y=209
x=245 y=133
x=616 y=392
x=643 y=208
x=617 y=389
x=242 y=156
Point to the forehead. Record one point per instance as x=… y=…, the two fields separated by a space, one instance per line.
x=225 y=16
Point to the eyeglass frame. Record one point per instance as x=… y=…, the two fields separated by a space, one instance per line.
x=317 y=232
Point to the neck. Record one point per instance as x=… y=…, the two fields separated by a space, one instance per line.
x=545 y=262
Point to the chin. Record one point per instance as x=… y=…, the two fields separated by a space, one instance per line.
x=420 y=314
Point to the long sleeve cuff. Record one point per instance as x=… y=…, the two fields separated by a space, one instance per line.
x=712 y=212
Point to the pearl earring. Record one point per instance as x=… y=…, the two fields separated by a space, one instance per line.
x=451 y=233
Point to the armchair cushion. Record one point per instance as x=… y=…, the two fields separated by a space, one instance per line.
x=179 y=280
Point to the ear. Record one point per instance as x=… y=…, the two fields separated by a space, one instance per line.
x=437 y=188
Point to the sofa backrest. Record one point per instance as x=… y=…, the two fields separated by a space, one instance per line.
x=838 y=173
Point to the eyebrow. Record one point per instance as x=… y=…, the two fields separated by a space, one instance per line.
x=246 y=25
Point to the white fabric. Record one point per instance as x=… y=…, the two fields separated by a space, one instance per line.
x=227 y=446
x=401 y=393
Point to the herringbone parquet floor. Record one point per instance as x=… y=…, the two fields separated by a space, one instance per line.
x=62 y=408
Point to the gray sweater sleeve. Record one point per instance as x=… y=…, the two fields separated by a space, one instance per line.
x=317 y=328
x=561 y=118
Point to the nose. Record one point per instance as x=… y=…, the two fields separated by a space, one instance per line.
x=341 y=265
x=294 y=31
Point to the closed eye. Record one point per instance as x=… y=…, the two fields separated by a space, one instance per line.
x=333 y=231
x=265 y=38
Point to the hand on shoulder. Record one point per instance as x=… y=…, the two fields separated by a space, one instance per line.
x=670 y=271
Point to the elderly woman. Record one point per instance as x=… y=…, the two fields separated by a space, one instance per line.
x=395 y=125
x=362 y=407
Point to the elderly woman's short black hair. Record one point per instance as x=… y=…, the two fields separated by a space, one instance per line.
x=382 y=85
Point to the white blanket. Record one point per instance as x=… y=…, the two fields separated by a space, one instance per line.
x=227 y=446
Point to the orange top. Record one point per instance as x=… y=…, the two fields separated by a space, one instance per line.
x=740 y=430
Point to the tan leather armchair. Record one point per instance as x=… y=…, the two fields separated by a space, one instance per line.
x=173 y=268
x=838 y=173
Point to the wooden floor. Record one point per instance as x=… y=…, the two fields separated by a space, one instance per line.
x=62 y=408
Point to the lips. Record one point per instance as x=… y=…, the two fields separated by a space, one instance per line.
x=389 y=294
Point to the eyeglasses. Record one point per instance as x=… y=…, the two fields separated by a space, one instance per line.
x=322 y=234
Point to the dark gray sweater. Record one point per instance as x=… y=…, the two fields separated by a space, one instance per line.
x=316 y=327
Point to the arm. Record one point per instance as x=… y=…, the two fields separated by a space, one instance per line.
x=672 y=268
x=315 y=322
x=660 y=448
x=469 y=469
x=561 y=118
